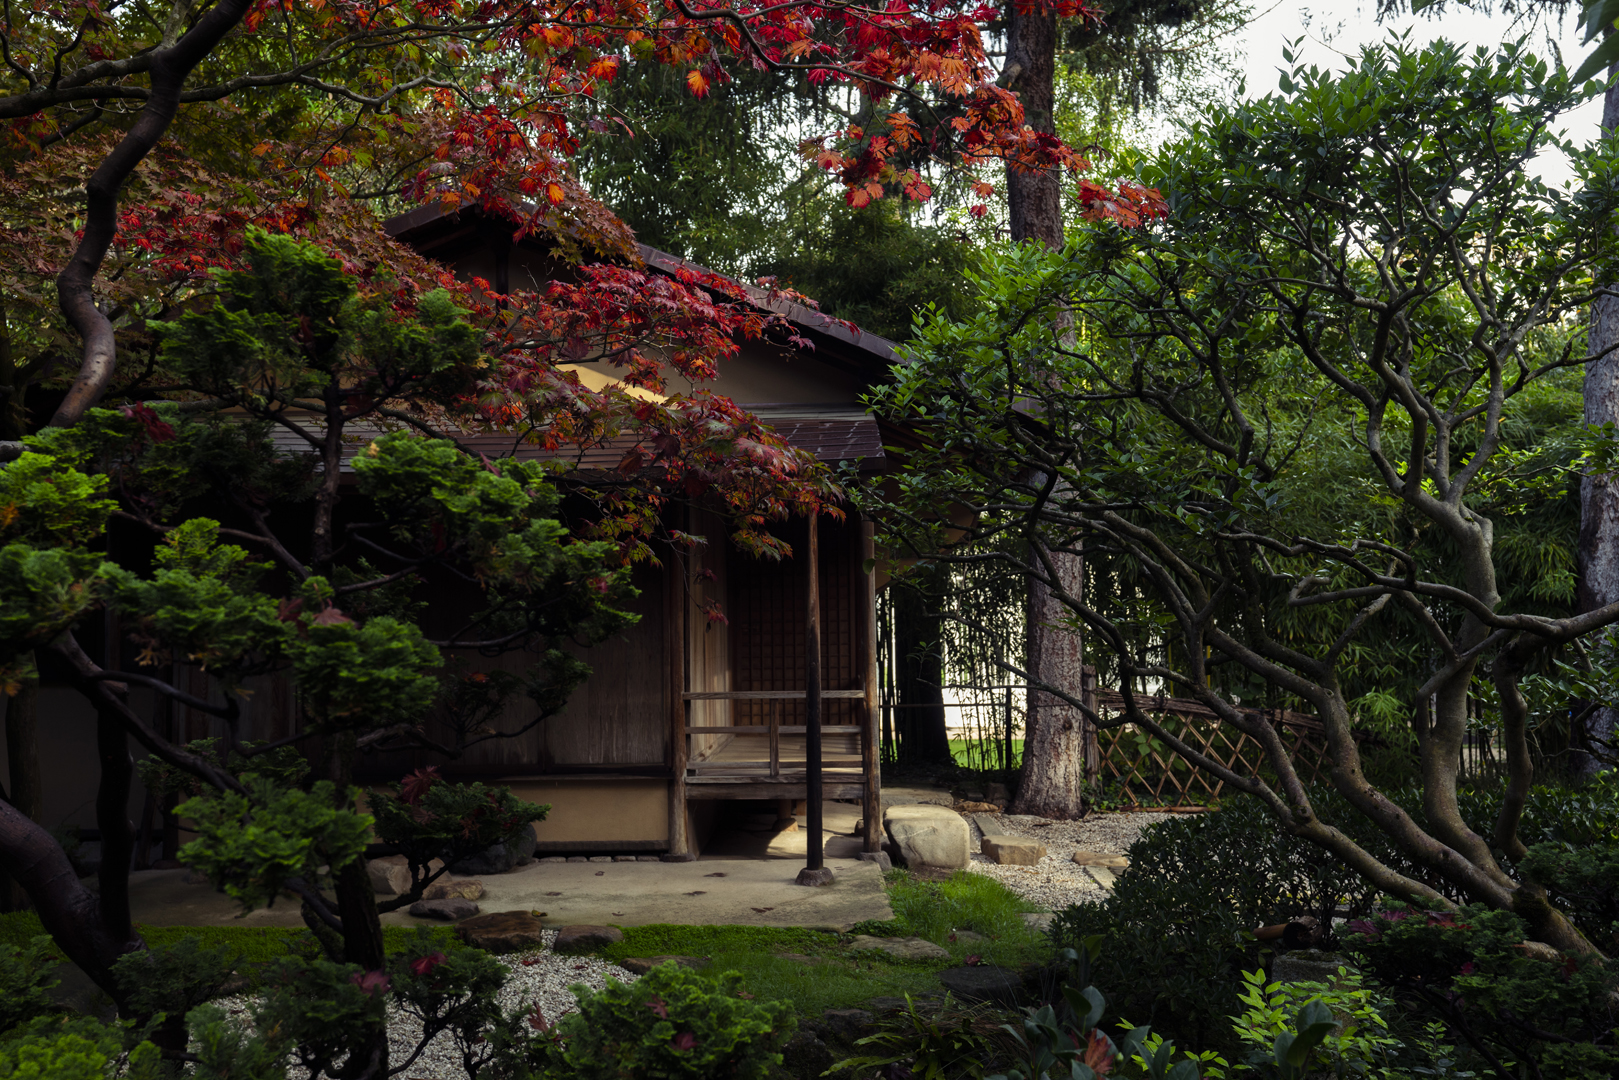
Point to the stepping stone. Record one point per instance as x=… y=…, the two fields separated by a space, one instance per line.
x=977 y=807
x=1103 y=876
x=989 y=824
x=1038 y=920
x=1100 y=858
x=985 y=982
x=884 y=863
x=928 y=835
x=1013 y=850
x=451 y=909
x=460 y=889
x=903 y=948
x=643 y=964
x=505 y=931
x=579 y=940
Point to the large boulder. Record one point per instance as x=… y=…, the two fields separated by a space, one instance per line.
x=389 y=875
x=983 y=982
x=928 y=835
x=579 y=940
x=505 y=931
x=1013 y=850
x=452 y=909
x=454 y=889
x=498 y=858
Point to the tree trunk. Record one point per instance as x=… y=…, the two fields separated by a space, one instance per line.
x=1599 y=495
x=22 y=753
x=1054 y=732
x=918 y=628
x=1033 y=198
x=1053 y=737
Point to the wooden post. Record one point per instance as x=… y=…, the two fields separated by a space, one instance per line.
x=872 y=799
x=1090 y=747
x=775 y=738
x=674 y=654
x=815 y=871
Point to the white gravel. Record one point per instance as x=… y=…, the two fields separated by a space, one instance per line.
x=1057 y=881
x=541 y=977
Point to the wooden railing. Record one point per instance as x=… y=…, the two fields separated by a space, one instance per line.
x=774 y=729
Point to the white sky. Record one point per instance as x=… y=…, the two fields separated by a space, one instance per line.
x=1333 y=30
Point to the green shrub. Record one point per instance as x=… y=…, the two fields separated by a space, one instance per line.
x=75 y=1048
x=670 y=1023
x=1470 y=971
x=1584 y=881
x=25 y=982
x=1177 y=932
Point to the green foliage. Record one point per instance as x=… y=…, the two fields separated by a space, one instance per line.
x=174 y=979
x=76 y=1048
x=1584 y=880
x=670 y=1023
x=935 y=910
x=1357 y=1040
x=251 y=844
x=25 y=981
x=1472 y=971
x=45 y=501
x=316 y=1007
x=363 y=675
x=1176 y=933
x=1050 y=1048
x=225 y=1050
x=429 y=819
x=42 y=593
x=934 y=1044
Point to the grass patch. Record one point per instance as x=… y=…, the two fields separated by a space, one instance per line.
x=964 y=901
x=256 y=944
x=984 y=753
x=668 y=939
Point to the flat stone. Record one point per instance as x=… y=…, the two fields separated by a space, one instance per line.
x=1103 y=876
x=1038 y=920
x=578 y=940
x=555 y=859
x=505 y=931
x=989 y=824
x=450 y=909
x=884 y=863
x=649 y=858
x=984 y=982
x=623 y=858
x=847 y=1024
x=928 y=835
x=454 y=889
x=1100 y=858
x=1306 y=965
x=977 y=807
x=643 y=964
x=1013 y=850
x=601 y=858
x=389 y=875
x=578 y=858
x=903 y=948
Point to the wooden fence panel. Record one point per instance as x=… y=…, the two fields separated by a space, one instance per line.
x=1136 y=767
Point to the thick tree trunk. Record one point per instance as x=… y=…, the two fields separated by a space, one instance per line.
x=1054 y=737
x=1599 y=495
x=1054 y=732
x=22 y=755
x=923 y=735
x=1034 y=199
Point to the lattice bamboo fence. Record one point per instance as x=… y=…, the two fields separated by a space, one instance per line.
x=1140 y=768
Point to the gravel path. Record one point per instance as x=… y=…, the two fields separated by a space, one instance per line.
x=541 y=977
x=1056 y=881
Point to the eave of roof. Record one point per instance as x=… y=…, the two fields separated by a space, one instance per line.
x=880 y=350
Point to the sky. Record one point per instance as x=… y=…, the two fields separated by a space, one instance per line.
x=1333 y=30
